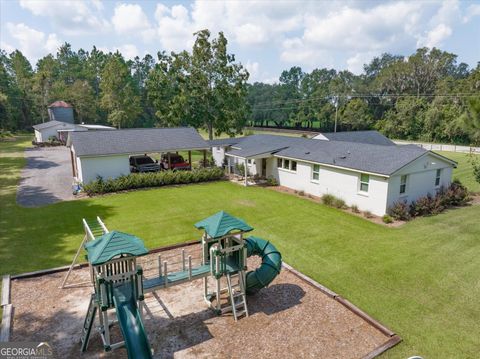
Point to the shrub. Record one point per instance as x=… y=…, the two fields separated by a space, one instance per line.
x=152 y=179
x=240 y=169
x=271 y=181
x=387 y=219
x=422 y=206
x=328 y=199
x=455 y=195
x=339 y=203
x=332 y=201
x=367 y=214
x=399 y=211
x=355 y=208
x=301 y=193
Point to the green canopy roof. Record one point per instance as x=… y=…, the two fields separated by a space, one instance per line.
x=113 y=244
x=222 y=223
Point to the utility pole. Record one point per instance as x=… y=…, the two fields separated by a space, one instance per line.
x=336 y=113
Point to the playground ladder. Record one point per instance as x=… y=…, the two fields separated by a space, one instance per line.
x=88 y=323
x=236 y=293
x=92 y=230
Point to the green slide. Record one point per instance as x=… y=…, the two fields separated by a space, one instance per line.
x=270 y=267
x=131 y=324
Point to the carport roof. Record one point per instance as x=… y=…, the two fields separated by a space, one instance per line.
x=132 y=141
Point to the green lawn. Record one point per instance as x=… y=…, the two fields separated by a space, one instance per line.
x=421 y=279
x=464 y=171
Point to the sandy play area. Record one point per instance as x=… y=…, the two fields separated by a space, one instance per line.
x=289 y=319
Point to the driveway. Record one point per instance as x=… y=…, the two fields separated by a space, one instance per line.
x=47 y=177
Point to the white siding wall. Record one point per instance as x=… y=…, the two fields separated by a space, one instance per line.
x=420 y=179
x=218 y=154
x=338 y=182
x=38 y=136
x=46 y=133
x=105 y=166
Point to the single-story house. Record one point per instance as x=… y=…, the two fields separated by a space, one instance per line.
x=106 y=153
x=60 y=130
x=363 y=168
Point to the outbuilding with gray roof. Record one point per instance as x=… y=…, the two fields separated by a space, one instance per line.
x=106 y=153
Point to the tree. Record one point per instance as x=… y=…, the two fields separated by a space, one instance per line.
x=356 y=116
x=119 y=94
x=204 y=89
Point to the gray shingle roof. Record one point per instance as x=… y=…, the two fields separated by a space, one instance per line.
x=224 y=141
x=365 y=157
x=370 y=137
x=48 y=124
x=131 y=141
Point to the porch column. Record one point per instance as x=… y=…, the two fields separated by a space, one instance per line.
x=169 y=161
x=190 y=159
x=73 y=163
x=246 y=172
x=204 y=158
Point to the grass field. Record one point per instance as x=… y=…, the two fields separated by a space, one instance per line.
x=464 y=171
x=421 y=279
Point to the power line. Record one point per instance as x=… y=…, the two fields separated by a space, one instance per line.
x=365 y=96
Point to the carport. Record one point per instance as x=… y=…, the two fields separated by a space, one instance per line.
x=106 y=153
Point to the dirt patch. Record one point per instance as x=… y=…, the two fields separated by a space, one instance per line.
x=289 y=319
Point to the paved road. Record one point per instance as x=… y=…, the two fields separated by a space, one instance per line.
x=47 y=177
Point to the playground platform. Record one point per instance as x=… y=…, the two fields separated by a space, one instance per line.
x=293 y=318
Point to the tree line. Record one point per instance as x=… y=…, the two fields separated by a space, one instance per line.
x=204 y=88
x=425 y=96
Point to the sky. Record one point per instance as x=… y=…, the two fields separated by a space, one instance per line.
x=265 y=36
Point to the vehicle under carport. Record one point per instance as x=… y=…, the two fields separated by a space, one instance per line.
x=106 y=154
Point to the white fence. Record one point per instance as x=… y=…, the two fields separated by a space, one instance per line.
x=441 y=147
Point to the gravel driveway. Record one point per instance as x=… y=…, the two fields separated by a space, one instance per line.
x=47 y=177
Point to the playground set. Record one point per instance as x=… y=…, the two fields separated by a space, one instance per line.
x=119 y=283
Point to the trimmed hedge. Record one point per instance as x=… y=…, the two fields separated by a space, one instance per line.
x=152 y=179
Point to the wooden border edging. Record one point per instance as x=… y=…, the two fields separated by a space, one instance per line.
x=390 y=343
x=5 y=290
x=7 y=310
x=6 y=323
x=394 y=338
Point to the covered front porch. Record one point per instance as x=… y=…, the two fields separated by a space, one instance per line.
x=249 y=169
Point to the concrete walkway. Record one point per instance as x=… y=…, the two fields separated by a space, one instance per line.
x=47 y=177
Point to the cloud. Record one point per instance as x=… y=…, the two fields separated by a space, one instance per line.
x=253 y=68
x=472 y=11
x=7 y=47
x=128 y=18
x=174 y=27
x=33 y=43
x=70 y=16
x=355 y=63
x=129 y=51
x=435 y=36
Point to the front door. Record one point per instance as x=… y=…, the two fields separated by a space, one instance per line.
x=264 y=167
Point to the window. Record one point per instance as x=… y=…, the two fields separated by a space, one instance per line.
x=249 y=161
x=403 y=184
x=364 y=180
x=437 y=178
x=287 y=164
x=315 y=172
